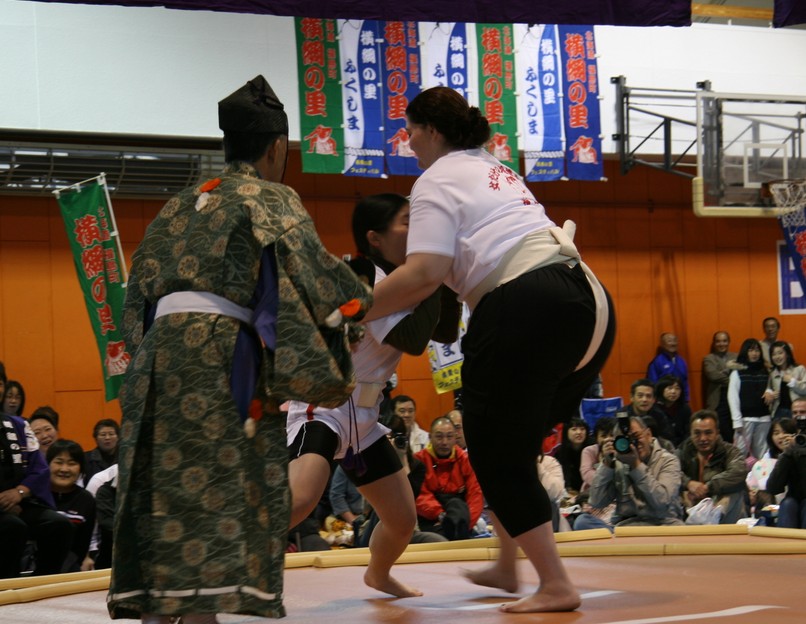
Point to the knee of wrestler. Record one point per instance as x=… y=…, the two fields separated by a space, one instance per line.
x=402 y=521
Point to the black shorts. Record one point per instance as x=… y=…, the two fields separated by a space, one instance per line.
x=377 y=461
x=315 y=437
x=380 y=460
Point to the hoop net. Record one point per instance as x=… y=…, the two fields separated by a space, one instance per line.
x=790 y=197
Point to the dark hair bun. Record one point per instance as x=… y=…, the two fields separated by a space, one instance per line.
x=478 y=128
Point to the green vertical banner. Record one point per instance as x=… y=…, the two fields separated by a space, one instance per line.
x=320 y=96
x=88 y=221
x=497 y=90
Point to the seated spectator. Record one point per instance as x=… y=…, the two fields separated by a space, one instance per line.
x=345 y=499
x=107 y=434
x=550 y=473
x=14 y=400
x=669 y=400
x=669 y=362
x=644 y=482
x=592 y=455
x=305 y=536
x=781 y=436
x=716 y=369
x=415 y=471
x=66 y=461
x=450 y=501
x=27 y=510
x=746 y=388
x=45 y=425
x=789 y=475
x=405 y=407
x=787 y=381
x=103 y=486
x=576 y=436
x=642 y=403
x=712 y=468
x=456 y=418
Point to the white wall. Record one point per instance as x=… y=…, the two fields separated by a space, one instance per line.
x=158 y=71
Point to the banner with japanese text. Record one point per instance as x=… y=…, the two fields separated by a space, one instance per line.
x=362 y=98
x=537 y=64
x=496 y=71
x=88 y=222
x=536 y=84
x=583 y=130
x=400 y=71
x=445 y=59
x=320 y=105
x=446 y=359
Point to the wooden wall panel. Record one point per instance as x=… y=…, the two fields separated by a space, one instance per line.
x=28 y=329
x=666 y=269
x=79 y=362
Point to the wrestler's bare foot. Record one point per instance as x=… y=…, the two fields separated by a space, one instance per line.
x=390 y=585
x=493 y=576
x=560 y=597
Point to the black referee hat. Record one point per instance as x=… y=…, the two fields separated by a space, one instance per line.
x=253 y=108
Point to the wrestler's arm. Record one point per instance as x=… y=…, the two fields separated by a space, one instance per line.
x=409 y=284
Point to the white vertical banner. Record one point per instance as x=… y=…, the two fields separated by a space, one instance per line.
x=537 y=76
x=448 y=55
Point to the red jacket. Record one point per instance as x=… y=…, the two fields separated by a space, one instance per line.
x=452 y=475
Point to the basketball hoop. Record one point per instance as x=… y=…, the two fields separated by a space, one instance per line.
x=790 y=198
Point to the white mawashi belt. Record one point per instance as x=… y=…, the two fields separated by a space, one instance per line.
x=204 y=302
x=544 y=248
x=366 y=394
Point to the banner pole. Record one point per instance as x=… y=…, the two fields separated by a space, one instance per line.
x=114 y=232
x=77 y=186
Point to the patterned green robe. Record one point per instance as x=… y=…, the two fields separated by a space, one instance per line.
x=202 y=507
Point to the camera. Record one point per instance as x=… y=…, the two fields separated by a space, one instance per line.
x=400 y=440
x=800 y=436
x=624 y=440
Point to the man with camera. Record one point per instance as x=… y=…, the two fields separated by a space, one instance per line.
x=789 y=474
x=638 y=475
x=712 y=468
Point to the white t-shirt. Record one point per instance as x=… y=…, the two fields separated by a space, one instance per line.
x=374 y=362
x=470 y=207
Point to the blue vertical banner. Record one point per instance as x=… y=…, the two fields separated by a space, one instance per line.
x=791 y=299
x=581 y=103
x=445 y=55
x=537 y=66
x=400 y=73
x=792 y=274
x=362 y=98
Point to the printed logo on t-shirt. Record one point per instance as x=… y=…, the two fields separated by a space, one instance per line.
x=500 y=173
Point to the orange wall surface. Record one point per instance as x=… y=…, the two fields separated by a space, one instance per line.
x=666 y=269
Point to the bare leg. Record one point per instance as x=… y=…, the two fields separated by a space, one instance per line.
x=307 y=478
x=556 y=592
x=392 y=500
x=502 y=573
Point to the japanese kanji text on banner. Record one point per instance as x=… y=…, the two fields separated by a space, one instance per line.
x=89 y=223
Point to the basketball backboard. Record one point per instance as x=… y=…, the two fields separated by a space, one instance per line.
x=743 y=143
